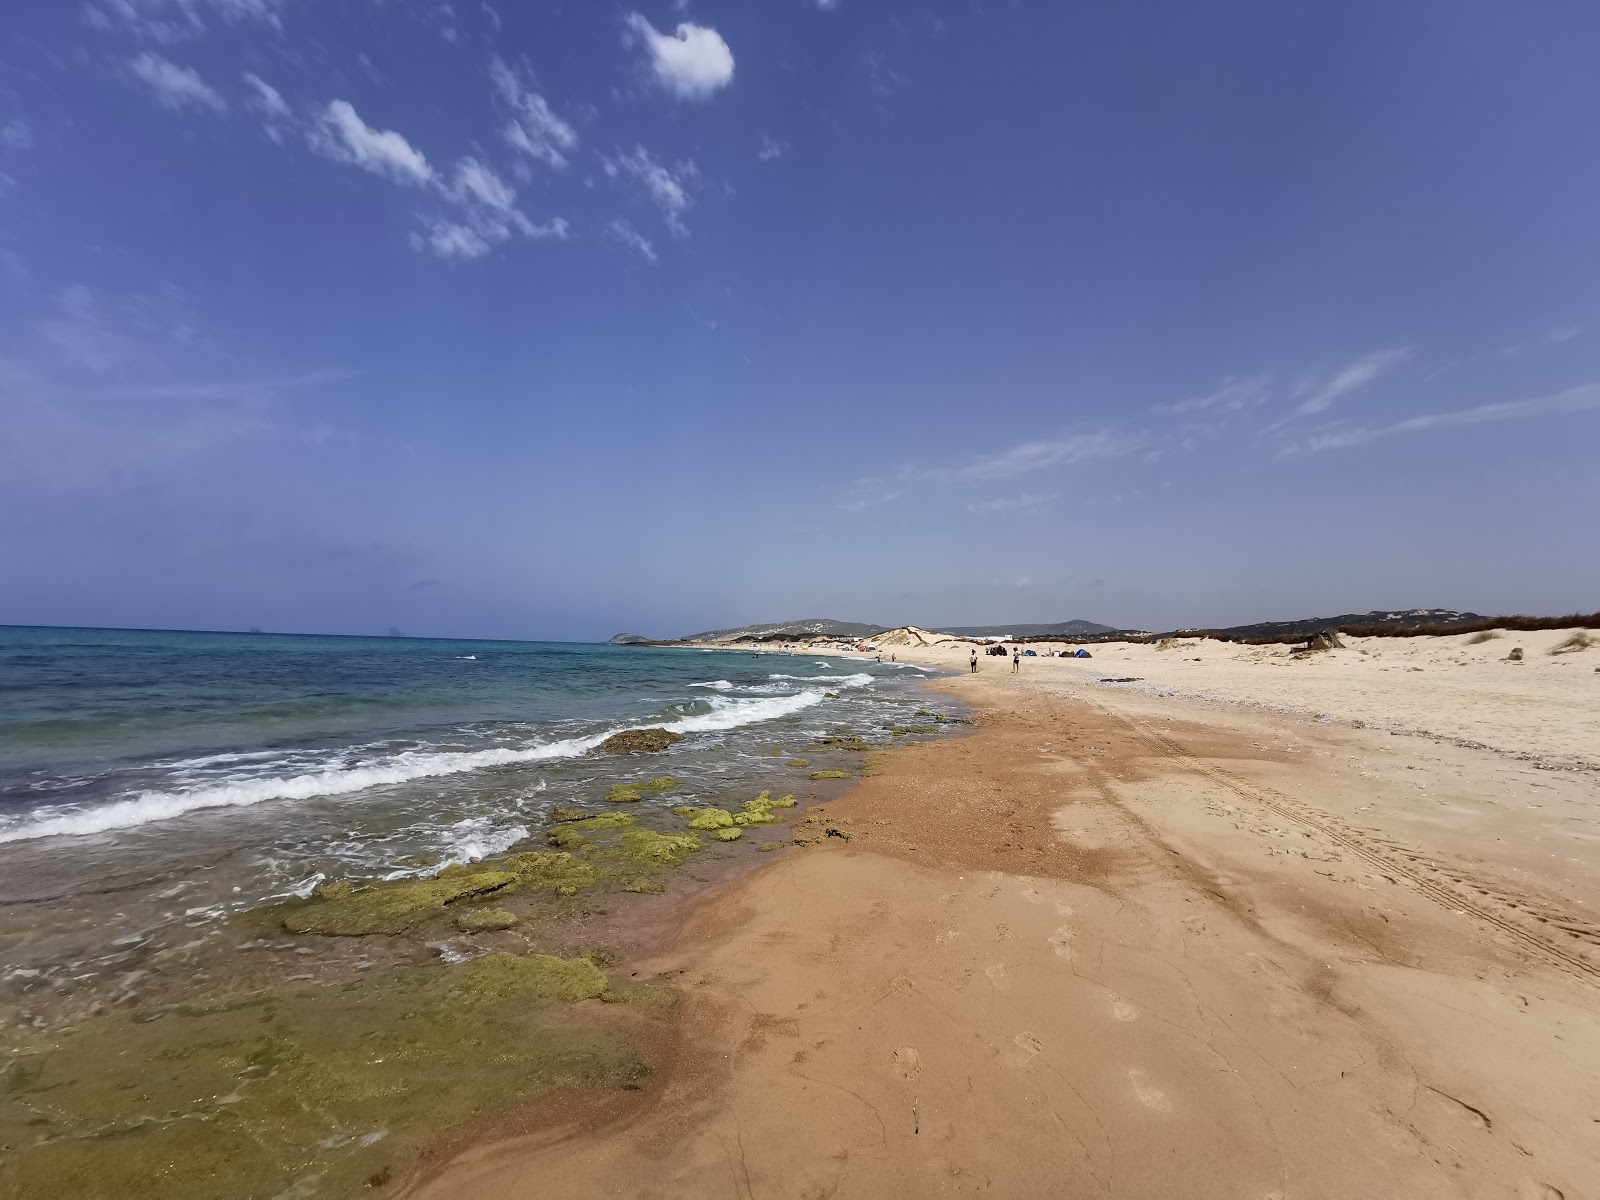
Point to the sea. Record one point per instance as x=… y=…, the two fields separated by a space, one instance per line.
x=194 y=775
x=165 y=798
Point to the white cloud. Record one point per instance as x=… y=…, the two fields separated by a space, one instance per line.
x=691 y=63
x=1584 y=398
x=176 y=87
x=16 y=134
x=668 y=187
x=1352 y=376
x=342 y=135
x=535 y=130
x=828 y=5
x=1027 y=457
x=169 y=21
x=485 y=205
x=771 y=148
x=268 y=103
x=266 y=100
x=1231 y=395
x=448 y=239
x=619 y=230
x=489 y=214
x=1026 y=504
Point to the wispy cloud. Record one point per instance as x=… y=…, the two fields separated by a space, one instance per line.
x=771 y=148
x=692 y=64
x=1321 y=392
x=168 y=21
x=175 y=87
x=343 y=136
x=1027 y=457
x=268 y=103
x=16 y=134
x=621 y=231
x=485 y=205
x=669 y=187
x=1584 y=398
x=534 y=130
x=1027 y=504
x=1231 y=395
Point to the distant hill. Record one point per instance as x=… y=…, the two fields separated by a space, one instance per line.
x=627 y=639
x=1065 y=629
x=1378 y=618
x=782 y=630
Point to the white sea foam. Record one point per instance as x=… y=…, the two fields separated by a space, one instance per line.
x=854 y=681
x=477 y=838
x=721 y=685
x=146 y=807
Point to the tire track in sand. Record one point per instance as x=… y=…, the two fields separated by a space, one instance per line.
x=1398 y=863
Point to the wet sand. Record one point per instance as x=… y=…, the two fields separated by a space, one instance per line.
x=1116 y=944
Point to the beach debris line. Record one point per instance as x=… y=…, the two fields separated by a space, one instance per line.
x=650 y=741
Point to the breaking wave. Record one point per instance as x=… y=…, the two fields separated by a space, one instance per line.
x=147 y=807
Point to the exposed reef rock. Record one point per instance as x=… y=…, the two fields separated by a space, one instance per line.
x=392 y=907
x=649 y=741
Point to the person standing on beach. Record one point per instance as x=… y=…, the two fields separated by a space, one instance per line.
x=1016 y=659
x=974 y=660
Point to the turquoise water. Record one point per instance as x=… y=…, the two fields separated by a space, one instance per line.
x=195 y=774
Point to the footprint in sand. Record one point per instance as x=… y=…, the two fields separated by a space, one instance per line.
x=1032 y=896
x=945 y=938
x=1000 y=976
x=907 y=1062
x=1063 y=909
x=1061 y=942
x=1123 y=1010
x=1149 y=1094
x=1027 y=1049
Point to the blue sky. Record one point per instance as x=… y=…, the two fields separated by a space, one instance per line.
x=537 y=320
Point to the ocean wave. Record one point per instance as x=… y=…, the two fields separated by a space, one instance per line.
x=860 y=680
x=721 y=685
x=147 y=807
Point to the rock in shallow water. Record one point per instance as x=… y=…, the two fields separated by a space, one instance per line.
x=648 y=740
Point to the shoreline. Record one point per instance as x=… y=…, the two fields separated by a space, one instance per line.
x=1122 y=944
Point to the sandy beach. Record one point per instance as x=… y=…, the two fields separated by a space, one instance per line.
x=1250 y=925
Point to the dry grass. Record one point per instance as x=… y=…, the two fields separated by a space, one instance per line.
x=1578 y=641
x=1483 y=635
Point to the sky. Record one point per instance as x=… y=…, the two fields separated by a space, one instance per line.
x=527 y=320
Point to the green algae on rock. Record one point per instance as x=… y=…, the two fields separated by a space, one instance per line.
x=485 y=920
x=657 y=1001
x=648 y=741
x=707 y=818
x=661 y=783
x=830 y=775
x=727 y=835
x=327 y=1085
x=902 y=730
x=552 y=871
x=769 y=847
x=624 y=793
x=647 y=848
x=391 y=906
x=849 y=742
x=799 y=762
